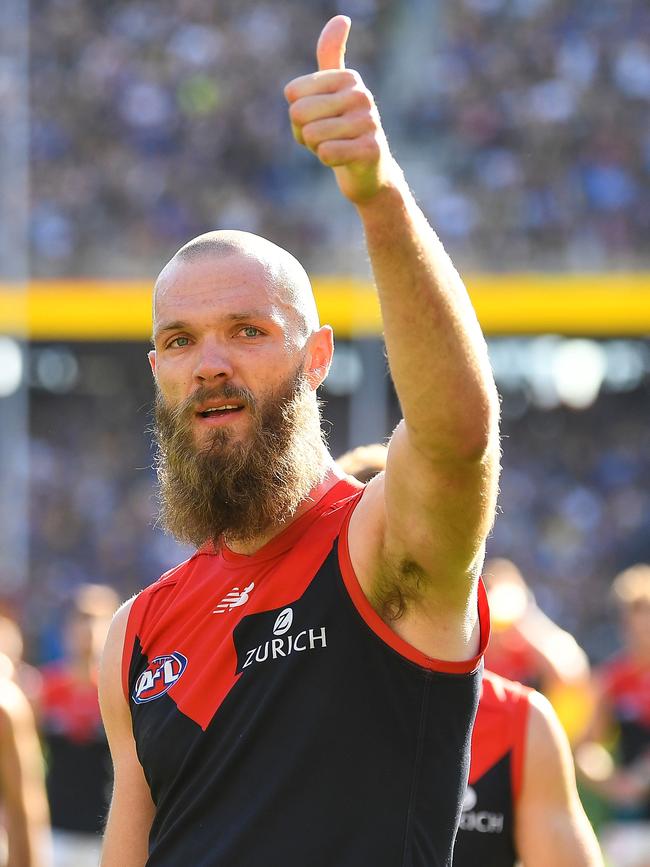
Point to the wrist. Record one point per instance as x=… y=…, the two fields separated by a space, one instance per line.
x=391 y=201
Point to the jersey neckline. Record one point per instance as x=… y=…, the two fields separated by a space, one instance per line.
x=341 y=490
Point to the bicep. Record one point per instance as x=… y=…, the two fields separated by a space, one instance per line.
x=132 y=809
x=550 y=823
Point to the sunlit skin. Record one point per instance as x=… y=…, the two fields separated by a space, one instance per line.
x=222 y=320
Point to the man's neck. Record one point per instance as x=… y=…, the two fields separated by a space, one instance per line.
x=332 y=476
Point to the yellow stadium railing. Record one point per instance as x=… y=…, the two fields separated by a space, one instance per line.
x=585 y=304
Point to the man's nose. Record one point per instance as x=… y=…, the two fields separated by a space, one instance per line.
x=212 y=363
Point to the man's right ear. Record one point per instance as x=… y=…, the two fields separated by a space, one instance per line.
x=151 y=355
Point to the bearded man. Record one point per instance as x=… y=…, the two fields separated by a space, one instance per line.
x=302 y=689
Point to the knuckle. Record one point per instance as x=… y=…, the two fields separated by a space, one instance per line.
x=371 y=148
x=362 y=98
x=297 y=113
x=352 y=78
x=325 y=153
x=310 y=134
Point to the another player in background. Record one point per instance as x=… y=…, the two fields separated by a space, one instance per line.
x=79 y=773
x=12 y=645
x=622 y=721
x=25 y=833
x=527 y=646
x=521 y=805
x=287 y=688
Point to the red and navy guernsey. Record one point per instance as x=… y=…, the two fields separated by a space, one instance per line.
x=281 y=723
x=486 y=836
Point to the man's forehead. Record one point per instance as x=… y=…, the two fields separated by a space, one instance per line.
x=217 y=281
x=220 y=267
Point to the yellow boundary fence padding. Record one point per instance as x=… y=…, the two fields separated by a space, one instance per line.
x=579 y=304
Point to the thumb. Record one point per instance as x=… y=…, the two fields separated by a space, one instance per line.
x=330 y=50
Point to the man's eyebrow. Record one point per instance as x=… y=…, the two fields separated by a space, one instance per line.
x=250 y=314
x=177 y=325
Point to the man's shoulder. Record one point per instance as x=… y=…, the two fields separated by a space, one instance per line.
x=503 y=695
x=168 y=579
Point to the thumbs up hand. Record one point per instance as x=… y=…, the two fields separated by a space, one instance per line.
x=334 y=115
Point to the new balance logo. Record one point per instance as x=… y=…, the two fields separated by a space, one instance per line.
x=235 y=599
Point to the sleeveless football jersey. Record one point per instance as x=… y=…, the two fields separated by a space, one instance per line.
x=486 y=832
x=625 y=684
x=279 y=721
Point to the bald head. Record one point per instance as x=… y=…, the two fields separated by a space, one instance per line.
x=282 y=270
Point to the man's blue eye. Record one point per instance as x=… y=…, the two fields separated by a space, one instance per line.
x=251 y=331
x=179 y=341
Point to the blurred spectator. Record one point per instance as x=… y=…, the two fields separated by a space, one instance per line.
x=25 y=833
x=527 y=646
x=364 y=462
x=25 y=675
x=623 y=712
x=78 y=760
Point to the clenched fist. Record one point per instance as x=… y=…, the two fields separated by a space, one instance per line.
x=334 y=115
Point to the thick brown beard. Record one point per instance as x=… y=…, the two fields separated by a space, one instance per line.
x=238 y=490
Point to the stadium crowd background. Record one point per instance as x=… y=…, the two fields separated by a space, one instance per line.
x=523 y=124
x=526 y=139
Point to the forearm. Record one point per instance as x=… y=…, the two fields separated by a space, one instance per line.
x=127 y=831
x=436 y=351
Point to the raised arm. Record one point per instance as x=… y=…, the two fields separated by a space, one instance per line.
x=417 y=537
x=132 y=810
x=550 y=823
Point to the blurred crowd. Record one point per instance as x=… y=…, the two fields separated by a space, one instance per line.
x=154 y=121
x=533 y=114
x=575 y=507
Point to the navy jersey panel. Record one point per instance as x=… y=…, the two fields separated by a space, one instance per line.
x=327 y=747
x=486 y=832
x=486 y=835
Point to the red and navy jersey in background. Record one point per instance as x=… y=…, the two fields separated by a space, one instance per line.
x=79 y=770
x=280 y=721
x=625 y=685
x=486 y=833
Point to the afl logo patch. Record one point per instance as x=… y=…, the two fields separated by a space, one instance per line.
x=158 y=677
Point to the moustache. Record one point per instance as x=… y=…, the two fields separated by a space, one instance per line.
x=186 y=409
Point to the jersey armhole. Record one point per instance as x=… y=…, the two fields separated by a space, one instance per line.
x=520 y=738
x=386 y=634
x=134 y=619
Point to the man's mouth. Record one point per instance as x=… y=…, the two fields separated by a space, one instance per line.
x=220 y=410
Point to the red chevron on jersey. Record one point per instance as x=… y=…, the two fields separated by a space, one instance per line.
x=176 y=615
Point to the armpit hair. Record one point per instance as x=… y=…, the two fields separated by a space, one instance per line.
x=398 y=585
